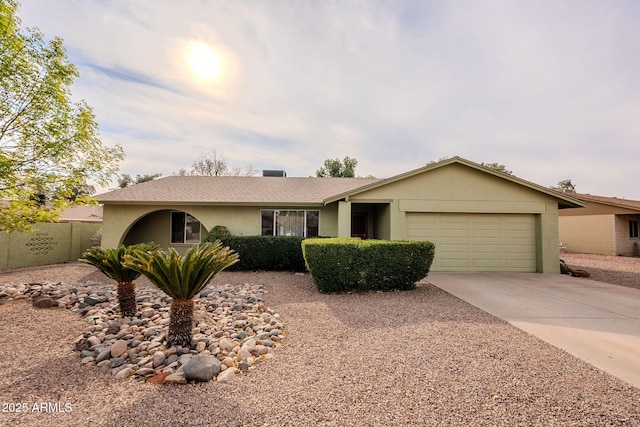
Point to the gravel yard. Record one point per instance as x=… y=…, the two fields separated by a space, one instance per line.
x=618 y=270
x=419 y=358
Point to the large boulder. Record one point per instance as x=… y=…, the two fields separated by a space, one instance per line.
x=201 y=368
x=44 y=302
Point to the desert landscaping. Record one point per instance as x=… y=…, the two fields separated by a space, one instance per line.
x=420 y=357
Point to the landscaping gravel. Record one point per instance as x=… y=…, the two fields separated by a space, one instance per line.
x=233 y=330
x=420 y=357
x=618 y=270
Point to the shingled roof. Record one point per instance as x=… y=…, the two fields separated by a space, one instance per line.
x=234 y=190
x=611 y=201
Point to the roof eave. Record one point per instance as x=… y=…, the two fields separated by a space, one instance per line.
x=208 y=203
x=587 y=201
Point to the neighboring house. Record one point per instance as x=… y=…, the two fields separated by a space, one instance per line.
x=479 y=219
x=606 y=226
x=82 y=213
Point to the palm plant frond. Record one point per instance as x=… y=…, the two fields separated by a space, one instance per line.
x=110 y=262
x=182 y=278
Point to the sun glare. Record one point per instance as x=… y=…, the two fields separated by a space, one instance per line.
x=204 y=61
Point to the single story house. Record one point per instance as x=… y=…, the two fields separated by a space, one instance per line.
x=606 y=226
x=480 y=219
x=82 y=213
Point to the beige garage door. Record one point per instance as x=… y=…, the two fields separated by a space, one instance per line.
x=477 y=242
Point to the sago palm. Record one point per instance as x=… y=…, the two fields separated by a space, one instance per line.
x=110 y=262
x=182 y=278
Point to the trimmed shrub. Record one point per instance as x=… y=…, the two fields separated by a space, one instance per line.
x=264 y=253
x=345 y=264
x=219 y=232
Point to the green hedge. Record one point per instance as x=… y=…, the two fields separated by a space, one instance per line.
x=264 y=253
x=344 y=264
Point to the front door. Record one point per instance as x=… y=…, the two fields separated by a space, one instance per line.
x=360 y=225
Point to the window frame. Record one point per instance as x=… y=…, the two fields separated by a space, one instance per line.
x=633 y=229
x=274 y=215
x=184 y=229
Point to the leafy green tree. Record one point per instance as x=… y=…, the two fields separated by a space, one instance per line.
x=78 y=193
x=110 y=262
x=49 y=146
x=565 y=185
x=125 y=179
x=433 y=162
x=497 y=167
x=182 y=278
x=335 y=168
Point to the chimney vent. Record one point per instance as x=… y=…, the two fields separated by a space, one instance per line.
x=277 y=173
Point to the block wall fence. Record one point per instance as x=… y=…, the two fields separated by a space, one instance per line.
x=48 y=244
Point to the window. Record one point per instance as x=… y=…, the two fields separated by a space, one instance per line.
x=290 y=223
x=633 y=229
x=184 y=228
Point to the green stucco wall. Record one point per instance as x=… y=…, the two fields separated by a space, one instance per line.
x=48 y=244
x=144 y=223
x=460 y=189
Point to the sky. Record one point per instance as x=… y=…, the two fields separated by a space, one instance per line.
x=548 y=88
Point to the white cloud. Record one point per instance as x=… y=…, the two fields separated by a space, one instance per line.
x=547 y=88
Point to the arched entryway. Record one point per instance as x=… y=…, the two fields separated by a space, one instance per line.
x=167 y=228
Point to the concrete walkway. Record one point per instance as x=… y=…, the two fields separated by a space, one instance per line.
x=596 y=322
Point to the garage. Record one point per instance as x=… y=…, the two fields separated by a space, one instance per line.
x=477 y=241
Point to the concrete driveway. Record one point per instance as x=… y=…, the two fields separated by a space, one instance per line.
x=596 y=322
